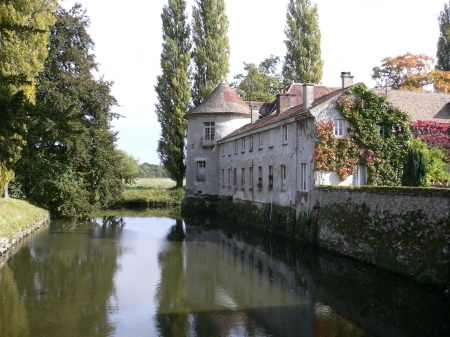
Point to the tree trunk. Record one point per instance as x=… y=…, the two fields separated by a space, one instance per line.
x=179 y=182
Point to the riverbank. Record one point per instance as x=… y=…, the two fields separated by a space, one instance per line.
x=17 y=220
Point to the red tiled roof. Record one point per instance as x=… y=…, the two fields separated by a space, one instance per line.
x=222 y=99
x=421 y=105
x=297 y=90
x=292 y=112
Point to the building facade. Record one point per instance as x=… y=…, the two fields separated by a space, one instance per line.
x=231 y=151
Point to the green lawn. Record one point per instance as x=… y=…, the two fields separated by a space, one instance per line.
x=153 y=192
x=146 y=183
x=17 y=215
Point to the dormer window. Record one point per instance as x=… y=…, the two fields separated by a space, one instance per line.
x=209 y=131
x=339 y=127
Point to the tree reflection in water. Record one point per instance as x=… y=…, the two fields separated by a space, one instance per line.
x=172 y=316
x=66 y=275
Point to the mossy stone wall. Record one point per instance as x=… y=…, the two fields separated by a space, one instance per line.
x=406 y=230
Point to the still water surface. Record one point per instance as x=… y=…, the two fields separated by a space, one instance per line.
x=148 y=276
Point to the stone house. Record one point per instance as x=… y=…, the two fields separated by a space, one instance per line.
x=233 y=152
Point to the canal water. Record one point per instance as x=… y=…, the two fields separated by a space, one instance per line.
x=134 y=274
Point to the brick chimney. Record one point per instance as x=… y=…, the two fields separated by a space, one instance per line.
x=347 y=79
x=308 y=95
x=255 y=113
x=284 y=100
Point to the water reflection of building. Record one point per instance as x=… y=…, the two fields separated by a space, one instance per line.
x=227 y=276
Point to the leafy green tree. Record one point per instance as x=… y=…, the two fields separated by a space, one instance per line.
x=302 y=62
x=260 y=83
x=173 y=89
x=414 y=170
x=69 y=164
x=211 y=51
x=24 y=27
x=436 y=167
x=129 y=166
x=147 y=170
x=443 y=45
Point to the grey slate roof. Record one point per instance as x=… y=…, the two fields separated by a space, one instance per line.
x=222 y=99
x=428 y=106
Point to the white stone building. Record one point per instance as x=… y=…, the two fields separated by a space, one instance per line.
x=233 y=152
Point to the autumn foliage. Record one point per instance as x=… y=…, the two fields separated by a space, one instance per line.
x=411 y=72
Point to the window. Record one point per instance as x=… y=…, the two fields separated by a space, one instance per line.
x=359 y=176
x=209 y=131
x=229 y=148
x=223 y=177
x=251 y=176
x=201 y=170
x=285 y=134
x=243 y=177
x=283 y=175
x=251 y=142
x=229 y=177
x=261 y=140
x=271 y=137
x=243 y=144
x=339 y=127
x=270 y=176
x=235 y=177
x=236 y=146
x=260 y=180
x=304 y=176
x=381 y=130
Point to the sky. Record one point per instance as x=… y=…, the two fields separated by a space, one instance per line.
x=356 y=36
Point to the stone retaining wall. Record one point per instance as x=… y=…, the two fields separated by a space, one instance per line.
x=406 y=230
x=7 y=243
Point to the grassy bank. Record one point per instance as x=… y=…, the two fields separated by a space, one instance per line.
x=17 y=215
x=153 y=192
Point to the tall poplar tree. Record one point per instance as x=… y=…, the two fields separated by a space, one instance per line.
x=211 y=47
x=443 y=46
x=302 y=62
x=173 y=89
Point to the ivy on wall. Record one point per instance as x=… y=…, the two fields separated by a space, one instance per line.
x=383 y=155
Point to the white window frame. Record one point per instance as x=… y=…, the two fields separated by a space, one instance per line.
x=201 y=168
x=243 y=144
x=260 y=176
x=210 y=131
x=251 y=176
x=339 y=127
x=304 y=177
x=285 y=134
x=235 y=177
x=359 y=176
x=270 y=176
x=251 y=142
x=243 y=177
x=261 y=140
x=283 y=175
x=381 y=130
